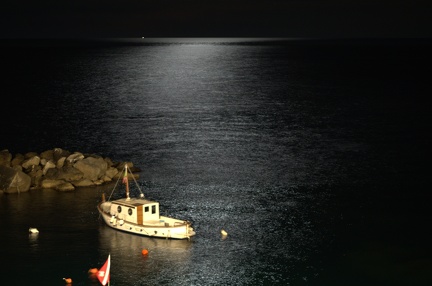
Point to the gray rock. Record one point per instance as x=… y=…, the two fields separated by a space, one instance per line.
x=59 y=153
x=61 y=162
x=17 y=160
x=83 y=183
x=31 y=161
x=51 y=184
x=13 y=181
x=48 y=165
x=92 y=168
x=65 y=187
x=75 y=157
x=5 y=158
x=69 y=173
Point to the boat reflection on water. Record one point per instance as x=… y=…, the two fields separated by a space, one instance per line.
x=165 y=257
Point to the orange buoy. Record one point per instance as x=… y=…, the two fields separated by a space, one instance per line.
x=144 y=252
x=93 y=271
x=68 y=280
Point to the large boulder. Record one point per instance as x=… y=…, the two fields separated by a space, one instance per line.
x=66 y=173
x=48 y=155
x=48 y=165
x=17 y=160
x=31 y=162
x=5 y=158
x=92 y=168
x=75 y=157
x=83 y=183
x=51 y=184
x=66 y=187
x=111 y=172
x=13 y=180
x=59 y=153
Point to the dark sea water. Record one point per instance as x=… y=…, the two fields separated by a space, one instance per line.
x=313 y=155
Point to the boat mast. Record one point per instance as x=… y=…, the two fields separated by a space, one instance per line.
x=126 y=181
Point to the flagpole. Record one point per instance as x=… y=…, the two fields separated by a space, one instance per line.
x=109 y=277
x=126 y=181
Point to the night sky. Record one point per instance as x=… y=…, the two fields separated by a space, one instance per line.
x=222 y=18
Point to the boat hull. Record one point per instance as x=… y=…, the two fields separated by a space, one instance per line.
x=180 y=229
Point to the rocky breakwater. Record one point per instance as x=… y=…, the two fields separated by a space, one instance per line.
x=56 y=169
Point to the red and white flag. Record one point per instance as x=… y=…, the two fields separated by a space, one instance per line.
x=125 y=177
x=104 y=272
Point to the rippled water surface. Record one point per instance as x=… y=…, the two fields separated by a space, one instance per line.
x=312 y=156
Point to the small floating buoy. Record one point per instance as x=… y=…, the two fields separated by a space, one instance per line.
x=33 y=230
x=93 y=271
x=144 y=252
x=68 y=280
x=224 y=233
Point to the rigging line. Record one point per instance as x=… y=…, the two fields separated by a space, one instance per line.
x=115 y=186
x=113 y=189
x=136 y=183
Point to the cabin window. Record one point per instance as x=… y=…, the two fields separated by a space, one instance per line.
x=130 y=211
x=146 y=209
x=119 y=209
x=153 y=209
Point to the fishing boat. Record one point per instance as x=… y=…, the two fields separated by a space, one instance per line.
x=141 y=216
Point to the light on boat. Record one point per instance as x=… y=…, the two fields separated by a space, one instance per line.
x=93 y=270
x=33 y=230
x=68 y=280
x=224 y=233
x=144 y=252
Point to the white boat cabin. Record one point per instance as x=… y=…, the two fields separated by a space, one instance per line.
x=135 y=210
